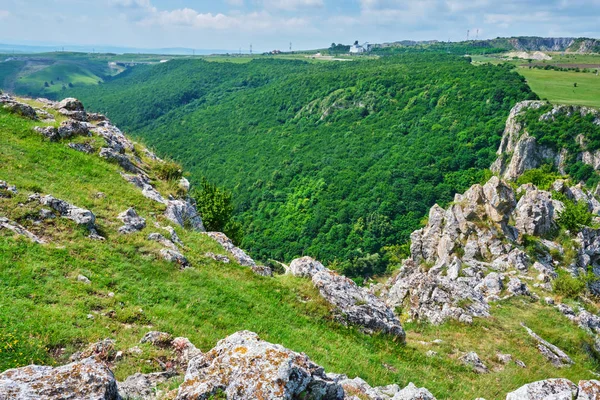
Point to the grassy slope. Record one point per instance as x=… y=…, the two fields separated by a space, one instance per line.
x=557 y=86
x=44 y=309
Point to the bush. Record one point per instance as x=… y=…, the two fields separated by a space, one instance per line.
x=543 y=177
x=216 y=208
x=168 y=170
x=568 y=286
x=574 y=216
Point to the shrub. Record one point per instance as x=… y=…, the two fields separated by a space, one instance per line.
x=168 y=170
x=574 y=216
x=542 y=177
x=216 y=208
x=568 y=286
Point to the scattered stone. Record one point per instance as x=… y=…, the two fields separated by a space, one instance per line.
x=69 y=104
x=158 y=339
x=431 y=353
x=21 y=109
x=412 y=392
x=82 y=147
x=49 y=132
x=184 y=214
x=111 y=294
x=185 y=350
x=103 y=350
x=133 y=222
x=555 y=389
x=83 y=279
x=549 y=301
x=517 y=288
x=5 y=223
x=217 y=257
x=86 y=379
x=504 y=358
x=555 y=355
x=245 y=367
x=184 y=185
x=472 y=360
x=115 y=139
x=79 y=215
x=157 y=237
x=174 y=256
x=143 y=386
x=520 y=364
x=72 y=128
x=239 y=255
x=143 y=182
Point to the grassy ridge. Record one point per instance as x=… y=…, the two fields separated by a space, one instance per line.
x=44 y=310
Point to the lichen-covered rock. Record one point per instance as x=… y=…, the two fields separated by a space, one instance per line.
x=535 y=213
x=184 y=214
x=133 y=222
x=69 y=104
x=103 y=350
x=22 y=109
x=589 y=390
x=87 y=379
x=70 y=128
x=143 y=386
x=555 y=389
x=185 y=350
x=356 y=305
x=358 y=388
x=243 y=366
x=217 y=257
x=115 y=139
x=412 y=392
x=472 y=360
x=305 y=267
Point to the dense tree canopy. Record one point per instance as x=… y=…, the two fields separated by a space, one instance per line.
x=332 y=160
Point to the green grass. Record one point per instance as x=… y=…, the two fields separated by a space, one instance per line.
x=558 y=86
x=43 y=309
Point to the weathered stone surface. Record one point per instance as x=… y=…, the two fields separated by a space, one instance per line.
x=174 y=256
x=157 y=237
x=185 y=350
x=143 y=386
x=305 y=267
x=5 y=223
x=517 y=288
x=555 y=389
x=245 y=367
x=356 y=305
x=589 y=390
x=87 y=379
x=472 y=360
x=535 y=213
x=81 y=216
x=217 y=257
x=121 y=159
x=412 y=392
x=133 y=222
x=238 y=254
x=115 y=139
x=70 y=128
x=143 y=182
x=159 y=339
x=555 y=355
x=22 y=109
x=184 y=214
x=82 y=147
x=103 y=350
x=69 y=104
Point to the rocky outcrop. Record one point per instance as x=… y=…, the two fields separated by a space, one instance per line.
x=242 y=366
x=86 y=379
x=122 y=160
x=558 y=389
x=71 y=108
x=79 y=215
x=353 y=304
x=157 y=237
x=519 y=152
x=174 y=256
x=143 y=386
x=132 y=222
x=239 y=255
x=184 y=214
x=473 y=361
x=16 y=107
x=358 y=389
x=143 y=182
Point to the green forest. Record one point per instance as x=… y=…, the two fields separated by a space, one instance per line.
x=340 y=161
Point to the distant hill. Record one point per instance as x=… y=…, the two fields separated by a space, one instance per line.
x=18 y=48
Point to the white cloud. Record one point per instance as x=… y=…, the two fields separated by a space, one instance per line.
x=4 y=14
x=292 y=5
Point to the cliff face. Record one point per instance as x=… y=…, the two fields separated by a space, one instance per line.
x=573 y=45
x=519 y=151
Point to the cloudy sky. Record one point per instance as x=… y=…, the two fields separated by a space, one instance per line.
x=273 y=24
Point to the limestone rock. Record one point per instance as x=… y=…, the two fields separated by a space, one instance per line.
x=589 y=390
x=217 y=257
x=70 y=128
x=133 y=222
x=143 y=386
x=357 y=305
x=70 y=104
x=412 y=392
x=115 y=139
x=82 y=147
x=245 y=367
x=22 y=109
x=239 y=255
x=517 y=288
x=143 y=182
x=5 y=223
x=103 y=350
x=121 y=159
x=185 y=350
x=555 y=355
x=555 y=389
x=305 y=267
x=184 y=214
x=157 y=237
x=87 y=379
x=472 y=360
x=535 y=213
x=174 y=256
x=159 y=339
x=79 y=215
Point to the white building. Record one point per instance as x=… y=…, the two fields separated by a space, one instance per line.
x=359 y=49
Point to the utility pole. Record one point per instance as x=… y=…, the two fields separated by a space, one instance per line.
x=477 y=37
x=250 y=48
x=290 y=47
x=468 y=32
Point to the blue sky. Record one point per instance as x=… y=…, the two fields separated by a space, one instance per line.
x=273 y=24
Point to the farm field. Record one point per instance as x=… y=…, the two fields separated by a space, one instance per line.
x=559 y=86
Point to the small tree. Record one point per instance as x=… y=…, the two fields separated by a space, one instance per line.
x=216 y=208
x=575 y=84
x=46 y=84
